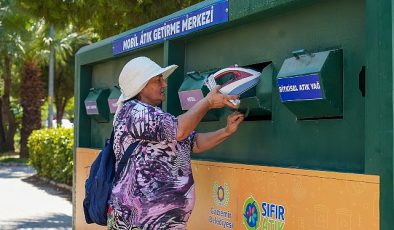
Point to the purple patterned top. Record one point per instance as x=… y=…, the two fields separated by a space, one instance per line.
x=156 y=188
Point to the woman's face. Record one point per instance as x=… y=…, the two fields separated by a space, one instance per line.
x=153 y=93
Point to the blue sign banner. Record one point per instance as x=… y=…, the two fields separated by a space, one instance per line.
x=299 y=88
x=196 y=20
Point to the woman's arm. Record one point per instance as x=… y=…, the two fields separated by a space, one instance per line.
x=188 y=121
x=206 y=141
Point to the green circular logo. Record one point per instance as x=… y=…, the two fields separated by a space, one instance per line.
x=251 y=214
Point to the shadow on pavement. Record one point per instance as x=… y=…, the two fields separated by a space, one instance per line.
x=7 y=172
x=53 y=217
x=55 y=221
x=48 y=187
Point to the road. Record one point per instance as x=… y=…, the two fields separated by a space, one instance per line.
x=26 y=202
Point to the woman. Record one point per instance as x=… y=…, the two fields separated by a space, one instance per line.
x=156 y=188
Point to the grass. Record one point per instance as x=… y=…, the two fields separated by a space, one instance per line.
x=11 y=158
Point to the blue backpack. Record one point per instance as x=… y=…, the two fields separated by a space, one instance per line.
x=99 y=184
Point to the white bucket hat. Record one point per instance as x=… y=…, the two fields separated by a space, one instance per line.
x=135 y=76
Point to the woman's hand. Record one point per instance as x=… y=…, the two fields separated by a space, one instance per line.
x=188 y=121
x=217 y=100
x=233 y=121
x=206 y=141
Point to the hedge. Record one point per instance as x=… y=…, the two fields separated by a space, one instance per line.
x=51 y=153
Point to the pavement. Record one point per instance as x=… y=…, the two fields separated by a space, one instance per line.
x=27 y=202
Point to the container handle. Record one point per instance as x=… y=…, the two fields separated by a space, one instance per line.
x=298 y=53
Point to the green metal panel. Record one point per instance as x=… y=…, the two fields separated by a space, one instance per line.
x=82 y=83
x=113 y=98
x=96 y=104
x=246 y=8
x=327 y=65
x=174 y=53
x=277 y=141
x=195 y=81
x=263 y=31
x=257 y=105
x=256 y=102
x=379 y=103
x=288 y=32
x=106 y=75
x=91 y=72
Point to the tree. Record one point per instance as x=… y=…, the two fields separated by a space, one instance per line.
x=53 y=12
x=32 y=88
x=57 y=13
x=106 y=17
x=11 y=30
x=24 y=42
x=117 y=17
x=66 y=43
x=120 y=16
x=31 y=99
x=36 y=58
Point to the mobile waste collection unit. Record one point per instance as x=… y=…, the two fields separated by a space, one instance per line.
x=316 y=148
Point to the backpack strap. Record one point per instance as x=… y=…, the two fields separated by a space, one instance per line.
x=125 y=157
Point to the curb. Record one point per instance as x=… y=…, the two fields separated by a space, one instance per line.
x=12 y=164
x=60 y=185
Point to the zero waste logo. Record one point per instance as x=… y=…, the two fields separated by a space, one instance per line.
x=251 y=214
x=266 y=215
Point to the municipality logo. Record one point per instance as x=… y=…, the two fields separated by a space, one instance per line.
x=219 y=214
x=251 y=214
x=221 y=194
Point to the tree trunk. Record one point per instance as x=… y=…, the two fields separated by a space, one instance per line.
x=32 y=98
x=59 y=113
x=2 y=133
x=7 y=118
x=60 y=107
x=62 y=94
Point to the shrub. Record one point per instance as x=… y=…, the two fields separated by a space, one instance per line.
x=51 y=153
